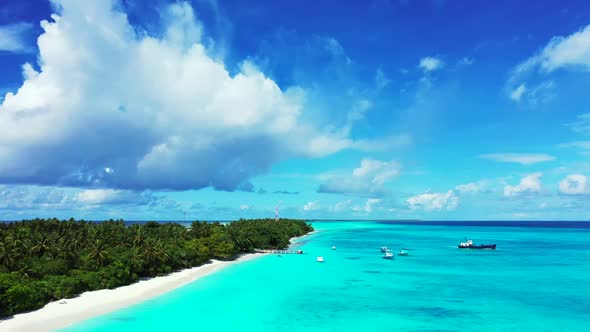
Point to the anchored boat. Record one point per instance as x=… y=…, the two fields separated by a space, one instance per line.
x=469 y=245
x=388 y=255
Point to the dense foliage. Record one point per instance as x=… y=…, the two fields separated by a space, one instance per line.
x=45 y=260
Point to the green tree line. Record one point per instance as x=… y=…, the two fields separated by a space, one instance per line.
x=43 y=260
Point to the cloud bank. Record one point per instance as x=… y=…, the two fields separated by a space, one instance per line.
x=112 y=107
x=366 y=180
x=434 y=201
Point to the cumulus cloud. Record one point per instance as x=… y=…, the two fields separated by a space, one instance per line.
x=366 y=180
x=529 y=184
x=342 y=206
x=519 y=158
x=574 y=184
x=429 y=63
x=13 y=37
x=311 y=206
x=111 y=107
x=369 y=205
x=470 y=188
x=434 y=201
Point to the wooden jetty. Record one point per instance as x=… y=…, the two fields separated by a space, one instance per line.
x=281 y=252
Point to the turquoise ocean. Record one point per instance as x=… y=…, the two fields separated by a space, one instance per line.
x=537 y=280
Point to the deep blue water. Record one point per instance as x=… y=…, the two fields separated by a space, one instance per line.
x=537 y=280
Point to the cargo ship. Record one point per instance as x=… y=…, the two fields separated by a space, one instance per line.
x=469 y=245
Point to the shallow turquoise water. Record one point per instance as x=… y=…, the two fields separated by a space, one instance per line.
x=537 y=280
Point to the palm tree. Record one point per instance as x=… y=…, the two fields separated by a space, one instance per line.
x=7 y=257
x=65 y=250
x=136 y=260
x=138 y=236
x=98 y=252
x=41 y=246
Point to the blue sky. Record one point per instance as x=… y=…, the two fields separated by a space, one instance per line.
x=211 y=109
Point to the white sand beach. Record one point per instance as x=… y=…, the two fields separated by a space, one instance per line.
x=59 y=314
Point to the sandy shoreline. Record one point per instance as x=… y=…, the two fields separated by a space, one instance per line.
x=54 y=315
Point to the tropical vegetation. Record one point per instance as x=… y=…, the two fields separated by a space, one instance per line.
x=43 y=260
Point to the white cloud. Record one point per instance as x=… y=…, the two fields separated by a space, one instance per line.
x=111 y=107
x=429 y=64
x=334 y=47
x=381 y=81
x=582 y=125
x=470 y=188
x=574 y=184
x=311 y=206
x=366 y=180
x=528 y=185
x=113 y=197
x=342 y=206
x=15 y=197
x=577 y=144
x=244 y=207
x=38 y=198
x=434 y=201
x=368 y=207
x=517 y=93
x=570 y=51
x=519 y=158
x=466 y=61
x=13 y=37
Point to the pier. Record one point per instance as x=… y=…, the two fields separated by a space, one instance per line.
x=281 y=252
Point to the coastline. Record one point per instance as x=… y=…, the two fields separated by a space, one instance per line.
x=295 y=241
x=56 y=315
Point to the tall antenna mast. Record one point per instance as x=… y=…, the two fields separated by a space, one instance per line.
x=277 y=213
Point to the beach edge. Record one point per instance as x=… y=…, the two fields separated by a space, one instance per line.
x=58 y=315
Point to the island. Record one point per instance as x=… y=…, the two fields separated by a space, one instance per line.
x=44 y=260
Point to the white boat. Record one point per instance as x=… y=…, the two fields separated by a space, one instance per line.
x=403 y=253
x=333 y=247
x=320 y=259
x=388 y=255
x=384 y=249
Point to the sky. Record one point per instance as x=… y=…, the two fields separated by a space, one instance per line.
x=217 y=110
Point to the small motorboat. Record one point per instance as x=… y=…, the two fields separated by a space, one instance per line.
x=333 y=247
x=320 y=259
x=403 y=253
x=469 y=245
x=384 y=249
x=388 y=255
